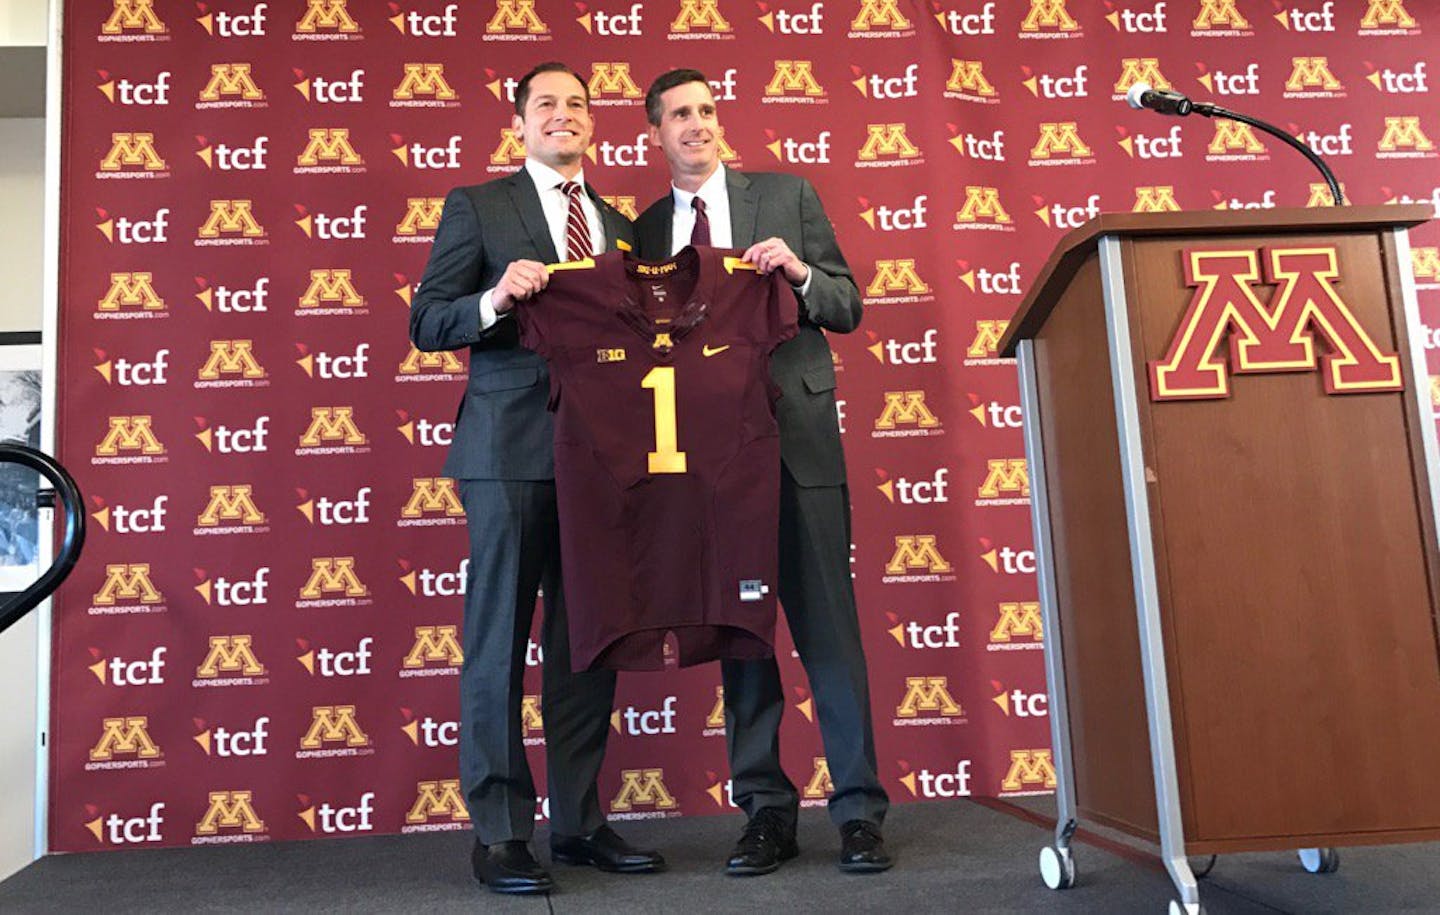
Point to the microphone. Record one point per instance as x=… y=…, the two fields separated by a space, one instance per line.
x=1143 y=95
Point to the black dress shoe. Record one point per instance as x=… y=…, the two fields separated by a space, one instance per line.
x=768 y=840
x=604 y=849
x=862 y=848
x=508 y=867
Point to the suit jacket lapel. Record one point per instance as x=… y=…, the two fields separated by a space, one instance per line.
x=744 y=209
x=526 y=200
x=661 y=232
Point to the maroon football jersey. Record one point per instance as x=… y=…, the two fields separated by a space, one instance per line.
x=667 y=456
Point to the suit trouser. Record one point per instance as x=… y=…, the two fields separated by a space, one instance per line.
x=515 y=549
x=819 y=600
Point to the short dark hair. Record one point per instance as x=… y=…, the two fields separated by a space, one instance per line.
x=663 y=84
x=522 y=89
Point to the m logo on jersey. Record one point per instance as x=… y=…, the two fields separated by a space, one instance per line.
x=132 y=150
x=514 y=16
x=1048 y=16
x=421 y=219
x=645 y=788
x=916 y=551
x=326 y=16
x=433 y=500
x=1278 y=336
x=699 y=14
x=1063 y=139
x=231 y=504
x=927 y=694
x=982 y=209
x=235 y=358
x=820 y=786
x=130 y=16
x=423 y=79
x=1311 y=77
x=896 y=276
x=127 y=582
x=333 y=724
x=967 y=82
x=129 y=433
x=124 y=736
x=333 y=575
x=1005 y=478
x=329 y=151
x=1017 y=620
x=1030 y=772
x=1139 y=70
x=611 y=84
x=230 y=218
x=1219 y=17
x=887 y=140
x=130 y=290
x=230 y=86
x=230 y=655
x=434 y=644
x=794 y=80
x=1403 y=139
x=1387 y=17
x=1157 y=199
x=438 y=799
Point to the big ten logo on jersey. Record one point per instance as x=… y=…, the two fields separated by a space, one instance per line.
x=643 y=795
x=907 y=414
x=611 y=84
x=880 y=19
x=700 y=20
x=125 y=742
x=1029 y=772
x=423 y=85
x=130 y=296
x=888 y=145
x=433 y=502
x=230 y=660
x=420 y=220
x=1018 y=703
x=916 y=558
x=887 y=86
x=330 y=291
x=328 y=151
x=230 y=223
x=426 y=582
x=645 y=722
x=232 y=23
x=808 y=21
x=136 y=518
x=424 y=433
x=1148 y=19
x=330 y=819
x=231 y=85
x=327 y=20
x=1220 y=19
x=927 y=489
x=1066 y=214
x=438 y=807
x=429 y=732
x=1388 y=17
x=1006 y=481
x=154 y=92
x=793 y=83
x=234 y=156
x=981 y=209
x=333 y=581
x=230 y=508
x=992 y=414
x=419 y=366
x=968 y=83
x=117 y=829
x=921 y=636
x=142 y=373
x=245 y=589
x=1404 y=138
x=1060 y=143
x=446 y=156
x=984 y=346
x=335 y=512
x=331 y=90
x=1050 y=19
x=508 y=154
x=905 y=351
x=991 y=280
x=130 y=439
x=230 y=817
x=1067 y=84
x=332 y=430
x=344 y=365
x=119 y=671
x=626 y=24
x=132 y=21
x=325 y=661
x=1231 y=82
x=435 y=652
x=619 y=155
x=132 y=154
x=1018 y=627
x=1138 y=70
x=231 y=364
x=1399 y=82
x=516 y=20
x=1151 y=146
x=127 y=230
x=1313 y=77
x=813 y=151
x=224 y=438
x=927 y=702
x=819 y=786
x=334 y=731
x=342 y=225
x=1005 y=559
x=233 y=742
x=950 y=782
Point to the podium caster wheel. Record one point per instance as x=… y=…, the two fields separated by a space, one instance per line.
x=1179 y=908
x=1320 y=860
x=1057 y=868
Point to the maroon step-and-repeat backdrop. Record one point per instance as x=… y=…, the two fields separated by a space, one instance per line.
x=260 y=642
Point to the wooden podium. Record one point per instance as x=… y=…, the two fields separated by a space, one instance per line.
x=1233 y=469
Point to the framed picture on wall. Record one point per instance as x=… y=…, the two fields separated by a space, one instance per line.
x=20 y=355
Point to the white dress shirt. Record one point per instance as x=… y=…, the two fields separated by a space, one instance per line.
x=556 y=205
x=716 y=195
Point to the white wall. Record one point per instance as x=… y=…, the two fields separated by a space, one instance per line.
x=22 y=22
x=22 y=170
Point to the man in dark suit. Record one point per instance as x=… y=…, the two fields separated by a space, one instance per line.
x=490 y=252
x=780 y=223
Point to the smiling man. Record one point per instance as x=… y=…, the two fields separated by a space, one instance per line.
x=778 y=220
x=490 y=252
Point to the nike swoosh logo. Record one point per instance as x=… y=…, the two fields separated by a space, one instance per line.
x=708 y=350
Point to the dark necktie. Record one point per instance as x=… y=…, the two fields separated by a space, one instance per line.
x=700 y=235
x=577 y=227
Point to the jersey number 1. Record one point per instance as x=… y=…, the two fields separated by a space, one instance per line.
x=666 y=458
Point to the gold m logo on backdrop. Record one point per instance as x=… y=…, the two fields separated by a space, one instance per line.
x=332 y=424
x=230 y=79
x=927 y=694
x=230 y=654
x=532 y=719
x=881 y=15
x=699 y=14
x=1311 y=73
x=1216 y=13
x=1048 y=14
x=896 y=276
x=332 y=286
x=432 y=494
x=1404 y=132
x=424 y=79
x=417 y=362
x=887 y=140
x=794 y=76
x=903 y=408
x=125 y=736
x=1277 y=336
x=332 y=574
x=434 y=643
x=230 y=503
x=326 y=14
x=231 y=216
x=1158 y=199
x=129 y=433
x=1010 y=475
x=1018 y=618
x=1033 y=768
x=1378 y=13
x=329 y=144
x=127 y=581
x=1425 y=263
x=1140 y=70
x=231 y=357
x=820 y=785
x=645 y=787
x=612 y=78
x=230 y=810
x=968 y=76
x=133 y=14
x=1231 y=136
x=510 y=149
x=916 y=551
x=1059 y=137
x=518 y=15
x=133 y=290
x=421 y=213
x=333 y=724
x=132 y=149
x=982 y=203
x=987 y=339
x=437 y=798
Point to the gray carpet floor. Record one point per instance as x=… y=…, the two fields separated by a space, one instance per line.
x=952 y=857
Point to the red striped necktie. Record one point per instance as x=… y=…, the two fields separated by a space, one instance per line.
x=578 y=245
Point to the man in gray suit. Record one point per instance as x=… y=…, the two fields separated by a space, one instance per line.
x=490 y=252
x=780 y=223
